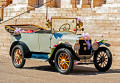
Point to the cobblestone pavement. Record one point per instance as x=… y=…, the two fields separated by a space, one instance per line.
x=36 y=71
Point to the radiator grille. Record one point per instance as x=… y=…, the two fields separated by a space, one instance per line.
x=83 y=48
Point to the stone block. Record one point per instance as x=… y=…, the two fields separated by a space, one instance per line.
x=66 y=4
x=20 y=2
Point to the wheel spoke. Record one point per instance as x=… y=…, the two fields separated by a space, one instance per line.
x=100 y=64
x=67 y=64
x=16 y=53
x=99 y=57
x=18 y=61
x=15 y=60
x=67 y=61
x=60 y=57
x=63 y=61
x=105 y=61
x=59 y=61
x=15 y=56
x=64 y=66
x=20 y=57
x=65 y=57
x=100 y=53
x=105 y=64
x=104 y=54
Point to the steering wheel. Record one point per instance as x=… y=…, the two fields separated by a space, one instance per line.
x=65 y=27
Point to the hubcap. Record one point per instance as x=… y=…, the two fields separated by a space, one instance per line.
x=63 y=61
x=18 y=56
x=102 y=59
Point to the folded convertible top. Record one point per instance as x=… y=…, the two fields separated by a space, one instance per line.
x=25 y=27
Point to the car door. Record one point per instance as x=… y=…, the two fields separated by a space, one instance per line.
x=47 y=41
x=44 y=42
x=31 y=40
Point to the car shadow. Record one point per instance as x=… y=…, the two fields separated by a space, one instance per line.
x=77 y=70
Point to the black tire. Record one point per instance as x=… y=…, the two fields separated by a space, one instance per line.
x=51 y=63
x=68 y=62
x=103 y=59
x=17 y=55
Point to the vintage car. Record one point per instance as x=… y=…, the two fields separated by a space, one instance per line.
x=61 y=48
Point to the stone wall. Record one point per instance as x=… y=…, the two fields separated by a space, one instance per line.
x=4 y=41
x=52 y=3
x=33 y=3
x=4 y=3
x=24 y=5
x=1 y=13
x=97 y=3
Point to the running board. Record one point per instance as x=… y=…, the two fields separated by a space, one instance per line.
x=45 y=60
x=41 y=57
x=78 y=63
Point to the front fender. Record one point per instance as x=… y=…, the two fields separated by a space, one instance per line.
x=63 y=45
x=105 y=44
x=103 y=48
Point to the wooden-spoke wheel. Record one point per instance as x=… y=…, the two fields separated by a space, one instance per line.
x=64 y=61
x=103 y=59
x=17 y=55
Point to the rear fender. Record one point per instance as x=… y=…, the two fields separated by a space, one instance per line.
x=24 y=46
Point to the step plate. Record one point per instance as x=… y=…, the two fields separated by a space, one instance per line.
x=40 y=56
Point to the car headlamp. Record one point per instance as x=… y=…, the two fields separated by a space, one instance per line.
x=95 y=46
x=77 y=46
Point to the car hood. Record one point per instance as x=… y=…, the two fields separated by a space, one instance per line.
x=65 y=37
x=71 y=38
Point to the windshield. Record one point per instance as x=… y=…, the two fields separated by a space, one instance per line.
x=64 y=25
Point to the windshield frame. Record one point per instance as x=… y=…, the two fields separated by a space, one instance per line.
x=52 y=31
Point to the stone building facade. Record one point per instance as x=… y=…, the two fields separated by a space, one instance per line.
x=101 y=19
x=4 y=3
x=26 y=4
